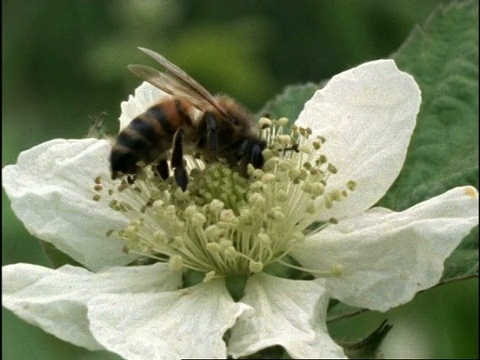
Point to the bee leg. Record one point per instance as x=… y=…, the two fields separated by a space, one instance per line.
x=181 y=176
x=212 y=134
x=250 y=152
x=162 y=169
x=256 y=158
x=242 y=150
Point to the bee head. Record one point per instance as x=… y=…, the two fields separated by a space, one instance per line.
x=123 y=162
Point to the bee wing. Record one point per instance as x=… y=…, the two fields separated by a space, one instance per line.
x=164 y=82
x=174 y=81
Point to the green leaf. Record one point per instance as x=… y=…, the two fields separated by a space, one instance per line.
x=443 y=58
x=290 y=102
x=463 y=263
x=338 y=310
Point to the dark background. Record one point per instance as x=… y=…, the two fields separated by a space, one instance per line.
x=64 y=62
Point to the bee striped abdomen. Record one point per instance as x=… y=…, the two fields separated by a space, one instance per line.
x=133 y=139
x=160 y=117
x=144 y=129
x=147 y=136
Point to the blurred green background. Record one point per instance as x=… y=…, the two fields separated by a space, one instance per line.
x=64 y=62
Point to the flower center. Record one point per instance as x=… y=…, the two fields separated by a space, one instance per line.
x=225 y=224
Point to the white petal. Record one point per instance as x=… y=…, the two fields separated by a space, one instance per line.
x=56 y=300
x=386 y=257
x=188 y=323
x=51 y=190
x=145 y=96
x=287 y=313
x=367 y=115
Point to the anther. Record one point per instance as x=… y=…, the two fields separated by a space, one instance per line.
x=351 y=185
x=264 y=123
x=337 y=270
x=332 y=168
x=255 y=266
x=283 y=121
x=175 y=262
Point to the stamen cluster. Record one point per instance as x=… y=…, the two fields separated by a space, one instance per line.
x=225 y=224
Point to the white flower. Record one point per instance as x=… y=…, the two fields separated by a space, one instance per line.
x=366 y=257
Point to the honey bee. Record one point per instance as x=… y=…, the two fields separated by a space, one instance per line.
x=189 y=121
